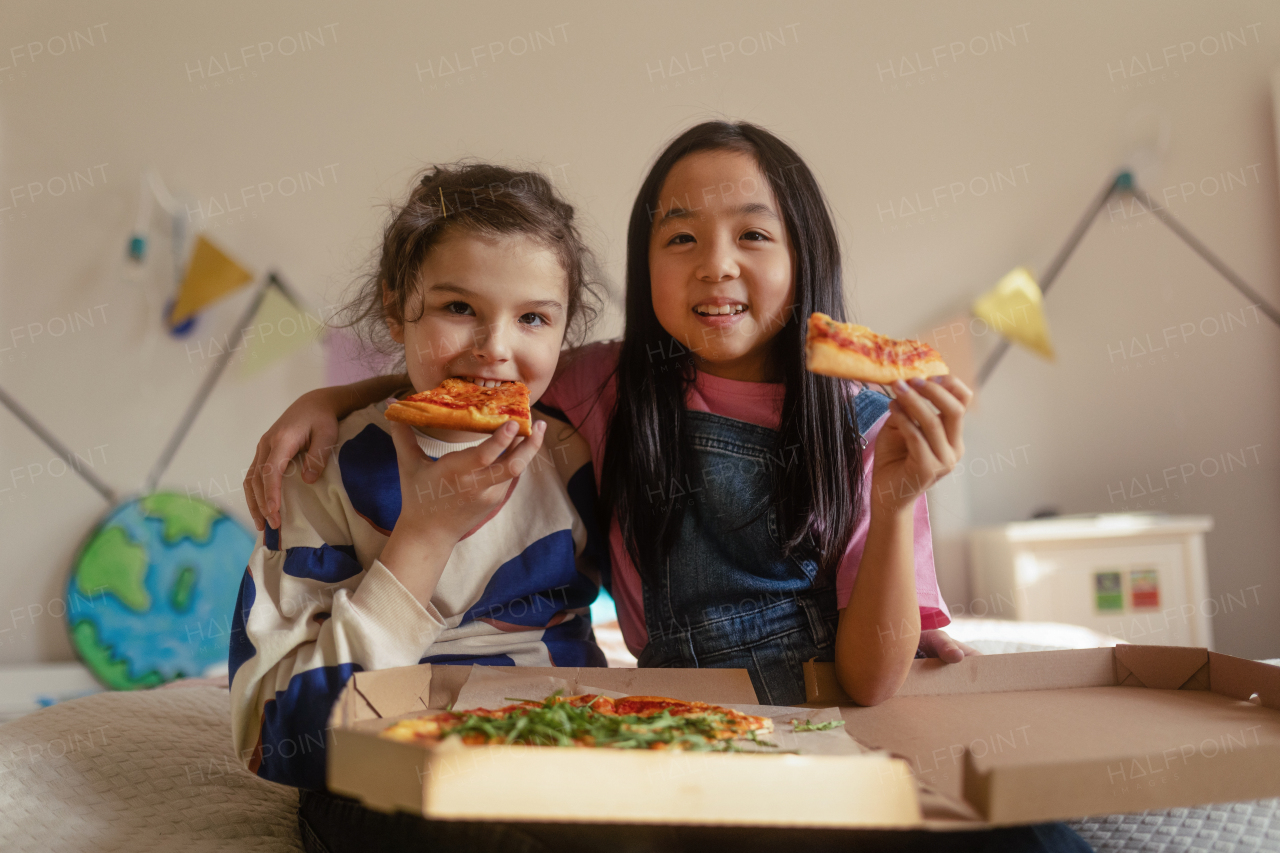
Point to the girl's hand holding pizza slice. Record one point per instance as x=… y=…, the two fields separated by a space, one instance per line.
x=922 y=440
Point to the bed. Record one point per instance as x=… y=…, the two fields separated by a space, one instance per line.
x=154 y=771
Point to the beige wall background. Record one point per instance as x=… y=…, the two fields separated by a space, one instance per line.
x=898 y=107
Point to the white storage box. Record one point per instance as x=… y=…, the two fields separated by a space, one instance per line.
x=1137 y=577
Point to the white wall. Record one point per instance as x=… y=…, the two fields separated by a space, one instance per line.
x=1051 y=107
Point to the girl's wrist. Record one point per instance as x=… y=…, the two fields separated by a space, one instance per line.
x=342 y=400
x=893 y=495
x=894 y=513
x=417 y=559
x=414 y=546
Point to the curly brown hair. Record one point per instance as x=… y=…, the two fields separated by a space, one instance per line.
x=480 y=198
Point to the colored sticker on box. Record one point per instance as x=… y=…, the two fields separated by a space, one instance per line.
x=1107 y=592
x=1144 y=588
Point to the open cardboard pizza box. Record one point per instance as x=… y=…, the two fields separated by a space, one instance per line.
x=993 y=740
x=1025 y=738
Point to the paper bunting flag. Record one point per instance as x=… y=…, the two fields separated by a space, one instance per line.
x=211 y=275
x=1015 y=309
x=278 y=328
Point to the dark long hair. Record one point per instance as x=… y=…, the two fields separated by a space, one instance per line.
x=815 y=489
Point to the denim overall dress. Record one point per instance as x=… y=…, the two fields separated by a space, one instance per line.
x=727 y=597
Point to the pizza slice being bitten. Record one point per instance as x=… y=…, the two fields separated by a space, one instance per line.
x=462 y=405
x=849 y=351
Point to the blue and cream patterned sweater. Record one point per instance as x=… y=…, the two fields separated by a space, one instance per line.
x=316 y=604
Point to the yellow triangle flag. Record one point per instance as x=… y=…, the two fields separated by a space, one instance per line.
x=1015 y=309
x=211 y=275
x=278 y=328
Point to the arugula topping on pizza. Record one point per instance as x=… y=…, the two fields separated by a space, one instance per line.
x=590 y=720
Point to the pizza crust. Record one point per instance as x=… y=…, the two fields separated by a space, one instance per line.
x=421 y=414
x=830 y=359
x=426 y=413
x=826 y=356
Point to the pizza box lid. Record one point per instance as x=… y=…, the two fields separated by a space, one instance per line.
x=851 y=787
x=1038 y=736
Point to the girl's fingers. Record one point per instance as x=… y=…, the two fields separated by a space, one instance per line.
x=254 y=479
x=494 y=446
x=955 y=386
x=950 y=652
x=323 y=439
x=950 y=409
x=272 y=476
x=499 y=458
x=407 y=448
x=919 y=410
x=250 y=498
x=512 y=463
x=917 y=445
x=520 y=458
x=937 y=644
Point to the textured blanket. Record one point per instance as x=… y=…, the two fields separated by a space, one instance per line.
x=142 y=771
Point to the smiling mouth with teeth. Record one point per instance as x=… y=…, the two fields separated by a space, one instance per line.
x=484 y=383
x=716 y=310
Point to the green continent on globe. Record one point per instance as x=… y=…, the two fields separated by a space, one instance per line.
x=182 y=516
x=112 y=671
x=114 y=563
x=183 y=587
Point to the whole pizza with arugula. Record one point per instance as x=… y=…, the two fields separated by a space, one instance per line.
x=590 y=720
x=464 y=405
x=849 y=351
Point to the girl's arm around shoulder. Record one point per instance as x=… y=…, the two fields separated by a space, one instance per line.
x=565 y=448
x=309 y=425
x=580 y=374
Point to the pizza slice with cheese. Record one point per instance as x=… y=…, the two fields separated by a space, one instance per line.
x=589 y=720
x=849 y=351
x=462 y=405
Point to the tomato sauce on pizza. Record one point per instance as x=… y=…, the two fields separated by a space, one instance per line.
x=849 y=351
x=461 y=405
